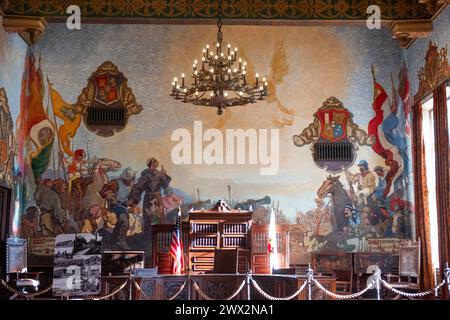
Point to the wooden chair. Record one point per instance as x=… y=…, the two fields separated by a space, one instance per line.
x=344 y=281
x=226 y=261
x=408 y=277
x=338 y=265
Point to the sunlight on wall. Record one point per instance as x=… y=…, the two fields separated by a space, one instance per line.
x=428 y=134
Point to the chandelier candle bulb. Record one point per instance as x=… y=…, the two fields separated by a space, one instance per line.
x=257 y=80
x=240 y=64
x=229 y=46
x=182 y=80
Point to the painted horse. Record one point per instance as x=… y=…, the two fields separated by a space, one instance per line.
x=339 y=197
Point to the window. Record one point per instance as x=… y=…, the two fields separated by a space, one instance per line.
x=430 y=152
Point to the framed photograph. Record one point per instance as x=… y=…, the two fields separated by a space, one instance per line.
x=77 y=264
x=16 y=255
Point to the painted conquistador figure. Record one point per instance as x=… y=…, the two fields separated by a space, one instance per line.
x=151 y=182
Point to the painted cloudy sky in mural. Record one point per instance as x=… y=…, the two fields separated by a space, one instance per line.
x=289 y=57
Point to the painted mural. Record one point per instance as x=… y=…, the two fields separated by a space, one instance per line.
x=120 y=185
x=6 y=142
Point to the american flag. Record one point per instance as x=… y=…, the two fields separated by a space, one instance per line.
x=176 y=247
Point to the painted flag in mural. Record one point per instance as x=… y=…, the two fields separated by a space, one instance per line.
x=393 y=130
x=71 y=117
x=404 y=92
x=405 y=96
x=176 y=247
x=272 y=243
x=382 y=146
x=35 y=132
x=402 y=142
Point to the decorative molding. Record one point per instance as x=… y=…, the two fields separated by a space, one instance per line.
x=435 y=71
x=206 y=9
x=406 y=31
x=433 y=5
x=108 y=89
x=30 y=29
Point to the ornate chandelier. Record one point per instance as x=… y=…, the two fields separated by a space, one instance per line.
x=218 y=81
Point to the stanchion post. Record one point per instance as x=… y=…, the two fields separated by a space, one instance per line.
x=249 y=277
x=189 y=283
x=447 y=278
x=378 y=283
x=310 y=275
x=130 y=284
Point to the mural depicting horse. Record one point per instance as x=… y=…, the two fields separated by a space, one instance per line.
x=339 y=198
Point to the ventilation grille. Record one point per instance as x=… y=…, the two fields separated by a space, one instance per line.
x=106 y=116
x=333 y=152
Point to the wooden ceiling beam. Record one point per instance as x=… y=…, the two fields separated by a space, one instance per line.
x=30 y=29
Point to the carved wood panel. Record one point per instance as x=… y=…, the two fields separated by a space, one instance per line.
x=435 y=71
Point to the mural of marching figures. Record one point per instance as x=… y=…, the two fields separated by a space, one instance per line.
x=78 y=175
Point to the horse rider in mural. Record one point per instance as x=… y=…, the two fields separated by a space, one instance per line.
x=152 y=181
x=378 y=193
x=352 y=220
x=77 y=166
x=365 y=182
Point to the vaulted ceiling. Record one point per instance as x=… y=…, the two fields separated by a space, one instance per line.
x=408 y=18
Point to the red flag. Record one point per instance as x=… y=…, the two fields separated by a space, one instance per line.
x=374 y=128
x=176 y=247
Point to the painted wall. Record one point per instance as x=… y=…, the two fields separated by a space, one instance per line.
x=12 y=58
x=306 y=65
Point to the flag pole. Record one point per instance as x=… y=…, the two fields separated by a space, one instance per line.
x=60 y=163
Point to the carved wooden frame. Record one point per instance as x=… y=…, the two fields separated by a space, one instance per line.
x=126 y=98
x=435 y=71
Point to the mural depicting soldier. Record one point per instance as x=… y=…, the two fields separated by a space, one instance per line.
x=151 y=182
x=77 y=166
x=365 y=182
x=381 y=185
x=48 y=200
x=353 y=220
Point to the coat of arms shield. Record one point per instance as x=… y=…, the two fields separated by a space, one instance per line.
x=333 y=124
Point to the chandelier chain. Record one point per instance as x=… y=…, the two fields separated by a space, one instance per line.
x=219 y=22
